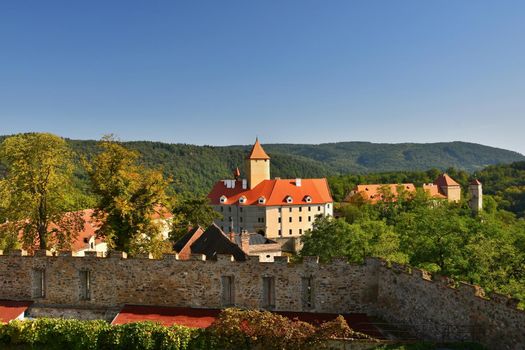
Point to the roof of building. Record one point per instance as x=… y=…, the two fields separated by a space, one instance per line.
x=372 y=192
x=257 y=151
x=444 y=180
x=10 y=310
x=433 y=191
x=213 y=241
x=255 y=239
x=202 y=318
x=181 y=243
x=475 y=182
x=274 y=192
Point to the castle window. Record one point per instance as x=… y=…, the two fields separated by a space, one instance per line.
x=242 y=200
x=230 y=209
x=290 y=209
x=222 y=209
x=300 y=209
x=308 y=199
x=290 y=219
x=240 y=219
x=300 y=219
x=289 y=199
x=223 y=199
x=268 y=297
x=309 y=208
x=328 y=205
x=309 y=219
x=300 y=231
x=228 y=289
x=318 y=208
x=280 y=232
x=307 y=293
x=280 y=210
x=279 y=220
x=241 y=209
x=39 y=283
x=262 y=200
x=290 y=232
x=85 y=284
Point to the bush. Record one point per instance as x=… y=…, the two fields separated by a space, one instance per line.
x=233 y=329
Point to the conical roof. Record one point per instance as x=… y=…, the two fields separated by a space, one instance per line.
x=475 y=182
x=257 y=151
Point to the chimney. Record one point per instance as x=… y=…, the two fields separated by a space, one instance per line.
x=236 y=174
x=245 y=241
x=298 y=182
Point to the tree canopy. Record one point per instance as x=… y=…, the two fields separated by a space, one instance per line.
x=37 y=192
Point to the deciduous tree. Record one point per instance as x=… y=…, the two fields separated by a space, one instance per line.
x=36 y=192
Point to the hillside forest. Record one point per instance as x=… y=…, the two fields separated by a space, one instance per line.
x=45 y=179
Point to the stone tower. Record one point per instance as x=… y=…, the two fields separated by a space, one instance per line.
x=476 y=195
x=257 y=165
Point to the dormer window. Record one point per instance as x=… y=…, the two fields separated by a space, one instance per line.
x=261 y=200
x=289 y=199
x=242 y=200
x=223 y=199
x=308 y=199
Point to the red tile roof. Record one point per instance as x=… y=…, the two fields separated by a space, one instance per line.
x=444 y=180
x=372 y=192
x=258 y=152
x=202 y=318
x=10 y=310
x=274 y=192
x=168 y=316
x=433 y=191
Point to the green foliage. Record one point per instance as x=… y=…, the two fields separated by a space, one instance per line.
x=190 y=212
x=129 y=195
x=37 y=191
x=234 y=329
x=332 y=237
x=487 y=249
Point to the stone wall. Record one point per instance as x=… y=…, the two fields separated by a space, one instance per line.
x=436 y=309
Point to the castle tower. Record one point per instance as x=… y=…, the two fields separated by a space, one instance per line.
x=476 y=195
x=257 y=165
x=448 y=187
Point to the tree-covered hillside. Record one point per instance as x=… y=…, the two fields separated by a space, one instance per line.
x=196 y=168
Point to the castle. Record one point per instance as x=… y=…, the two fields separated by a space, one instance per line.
x=275 y=208
x=444 y=187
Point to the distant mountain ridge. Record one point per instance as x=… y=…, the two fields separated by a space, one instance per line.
x=196 y=168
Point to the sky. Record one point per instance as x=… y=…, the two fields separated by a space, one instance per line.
x=222 y=72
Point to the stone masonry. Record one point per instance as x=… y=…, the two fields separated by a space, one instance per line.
x=434 y=309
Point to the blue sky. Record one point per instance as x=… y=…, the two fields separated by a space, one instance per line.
x=221 y=72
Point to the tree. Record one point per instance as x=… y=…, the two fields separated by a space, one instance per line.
x=130 y=196
x=332 y=237
x=190 y=212
x=36 y=192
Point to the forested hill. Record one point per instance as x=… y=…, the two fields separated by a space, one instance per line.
x=196 y=168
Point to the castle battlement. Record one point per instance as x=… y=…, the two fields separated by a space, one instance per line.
x=434 y=306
